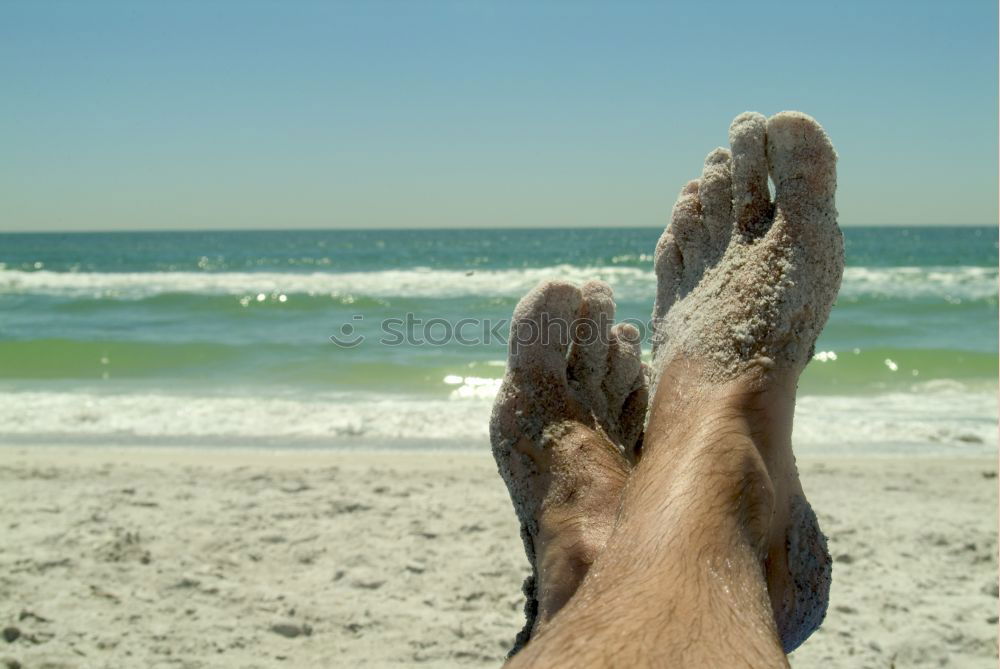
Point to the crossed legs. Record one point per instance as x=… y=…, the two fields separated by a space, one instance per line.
x=692 y=545
x=681 y=577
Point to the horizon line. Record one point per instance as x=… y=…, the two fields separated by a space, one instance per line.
x=445 y=228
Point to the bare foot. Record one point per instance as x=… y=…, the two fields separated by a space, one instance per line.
x=565 y=428
x=744 y=287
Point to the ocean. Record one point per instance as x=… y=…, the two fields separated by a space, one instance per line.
x=227 y=338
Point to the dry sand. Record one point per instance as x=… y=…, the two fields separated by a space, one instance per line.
x=222 y=558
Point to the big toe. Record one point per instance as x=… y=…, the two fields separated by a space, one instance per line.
x=801 y=160
x=540 y=330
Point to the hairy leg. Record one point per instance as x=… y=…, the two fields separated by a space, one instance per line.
x=681 y=579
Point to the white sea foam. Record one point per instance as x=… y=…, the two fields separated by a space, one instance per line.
x=951 y=283
x=949 y=420
x=417 y=282
x=150 y=415
x=946 y=419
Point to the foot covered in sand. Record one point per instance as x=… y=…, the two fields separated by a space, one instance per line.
x=744 y=286
x=565 y=429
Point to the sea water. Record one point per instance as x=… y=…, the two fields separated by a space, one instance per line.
x=396 y=338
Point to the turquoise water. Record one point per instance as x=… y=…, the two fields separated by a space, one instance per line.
x=226 y=335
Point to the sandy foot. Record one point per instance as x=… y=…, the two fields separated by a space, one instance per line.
x=745 y=285
x=742 y=281
x=565 y=426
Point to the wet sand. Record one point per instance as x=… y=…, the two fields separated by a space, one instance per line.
x=234 y=558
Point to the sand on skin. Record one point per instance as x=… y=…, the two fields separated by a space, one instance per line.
x=236 y=558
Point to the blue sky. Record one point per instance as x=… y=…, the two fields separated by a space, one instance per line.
x=154 y=115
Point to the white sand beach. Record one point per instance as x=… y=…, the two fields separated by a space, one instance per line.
x=151 y=557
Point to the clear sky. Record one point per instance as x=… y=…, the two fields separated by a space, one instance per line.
x=219 y=114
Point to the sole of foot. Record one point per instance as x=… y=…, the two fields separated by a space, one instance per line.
x=745 y=284
x=565 y=428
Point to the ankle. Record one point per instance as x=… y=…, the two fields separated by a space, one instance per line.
x=566 y=549
x=715 y=465
x=733 y=475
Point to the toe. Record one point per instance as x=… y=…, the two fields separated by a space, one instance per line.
x=716 y=194
x=690 y=235
x=588 y=357
x=751 y=200
x=624 y=362
x=668 y=266
x=625 y=384
x=802 y=161
x=540 y=329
